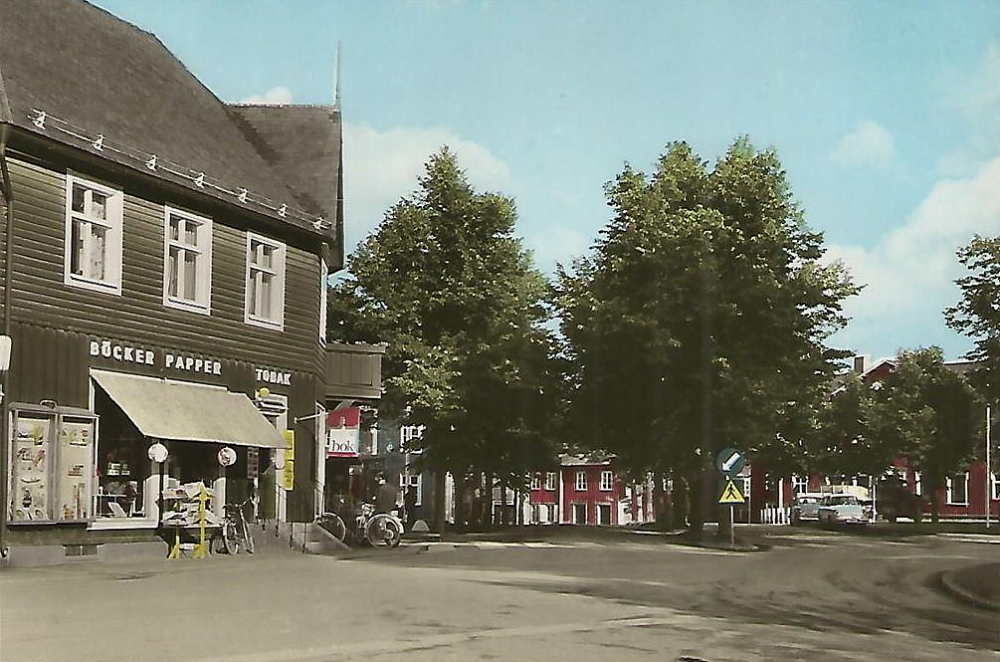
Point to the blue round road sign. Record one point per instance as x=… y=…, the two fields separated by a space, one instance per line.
x=729 y=462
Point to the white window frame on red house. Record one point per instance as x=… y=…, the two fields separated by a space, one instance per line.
x=536 y=481
x=411 y=480
x=580 y=481
x=84 y=220
x=994 y=486
x=607 y=481
x=174 y=272
x=950 y=500
x=800 y=484
x=918 y=487
x=600 y=520
x=551 y=479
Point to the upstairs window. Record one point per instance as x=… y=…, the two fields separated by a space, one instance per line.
x=93 y=258
x=536 y=481
x=581 y=481
x=607 y=480
x=187 y=259
x=550 y=480
x=265 y=293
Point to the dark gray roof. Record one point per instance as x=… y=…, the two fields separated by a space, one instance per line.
x=302 y=143
x=93 y=73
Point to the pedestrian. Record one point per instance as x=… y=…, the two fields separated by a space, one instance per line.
x=410 y=507
x=386 y=497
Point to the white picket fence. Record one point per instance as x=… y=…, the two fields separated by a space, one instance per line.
x=775 y=515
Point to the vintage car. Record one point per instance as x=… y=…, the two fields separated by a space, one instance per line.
x=841 y=509
x=806 y=508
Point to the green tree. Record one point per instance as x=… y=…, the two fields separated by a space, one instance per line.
x=699 y=320
x=446 y=284
x=932 y=415
x=977 y=315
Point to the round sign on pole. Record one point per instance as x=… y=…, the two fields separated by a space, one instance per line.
x=278 y=459
x=157 y=452
x=729 y=462
x=227 y=456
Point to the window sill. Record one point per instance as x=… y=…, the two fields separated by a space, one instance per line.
x=93 y=285
x=265 y=324
x=119 y=523
x=188 y=306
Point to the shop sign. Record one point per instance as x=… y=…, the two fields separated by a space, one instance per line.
x=288 y=472
x=157 y=453
x=273 y=376
x=125 y=353
x=343 y=442
x=227 y=456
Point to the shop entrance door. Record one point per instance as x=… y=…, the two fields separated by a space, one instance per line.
x=272 y=495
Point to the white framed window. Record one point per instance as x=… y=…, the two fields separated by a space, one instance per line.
x=324 y=292
x=607 y=480
x=536 y=481
x=800 y=484
x=410 y=481
x=550 y=481
x=581 y=481
x=93 y=243
x=958 y=489
x=409 y=434
x=994 y=486
x=918 y=487
x=187 y=261
x=265 y=283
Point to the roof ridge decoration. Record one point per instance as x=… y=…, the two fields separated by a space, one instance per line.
x=44 y=121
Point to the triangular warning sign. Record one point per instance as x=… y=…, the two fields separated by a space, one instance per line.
x=731 y=494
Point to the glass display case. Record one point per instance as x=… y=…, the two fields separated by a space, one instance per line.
x=53 y=469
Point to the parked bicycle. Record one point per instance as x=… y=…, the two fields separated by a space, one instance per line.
x=377 y=530
x=235 y=532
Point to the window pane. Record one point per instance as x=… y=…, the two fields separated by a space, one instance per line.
x=175 y=230
x=78 y=192
x=253 y=293
x=76 y=249
x=191 y=233
x=265 y=296
x=190 y=275
x=98 y=205
x=172 y=272
x=98 y=251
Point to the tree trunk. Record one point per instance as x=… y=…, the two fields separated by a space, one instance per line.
x=662 y=504
x=696 y=499
x=504 y=519
x=934 y=505
x=440 y=475
x=488 y=501
x=679 y=502
x=460 y=492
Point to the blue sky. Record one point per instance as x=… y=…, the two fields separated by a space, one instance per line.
x=886 y=115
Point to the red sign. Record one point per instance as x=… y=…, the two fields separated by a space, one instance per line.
x=343 y=432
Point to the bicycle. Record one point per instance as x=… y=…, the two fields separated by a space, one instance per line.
x=379 y=530
x=235 y=532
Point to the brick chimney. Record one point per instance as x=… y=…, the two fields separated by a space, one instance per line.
x=860 y=363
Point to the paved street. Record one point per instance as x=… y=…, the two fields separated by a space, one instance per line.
x=815 y=596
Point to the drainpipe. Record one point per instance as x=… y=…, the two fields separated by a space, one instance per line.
x=5 y=376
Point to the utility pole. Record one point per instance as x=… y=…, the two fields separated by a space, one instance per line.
x=989 y=469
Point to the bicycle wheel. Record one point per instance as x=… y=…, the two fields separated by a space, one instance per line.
x=332 y=523
x=229 y=537
x=383 y=531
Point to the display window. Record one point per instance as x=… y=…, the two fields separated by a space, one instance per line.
x=123 y=465
x=53 y=465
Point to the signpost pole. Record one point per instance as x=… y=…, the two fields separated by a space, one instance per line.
x=732 y=526
x=989 y=469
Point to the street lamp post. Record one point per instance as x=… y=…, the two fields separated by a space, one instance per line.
x=989 y=469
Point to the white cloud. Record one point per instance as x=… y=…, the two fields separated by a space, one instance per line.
x=556 y=244
x=868 y=144
x=910 y=273
x=276 y=96
x=383 y=166
x=977 y=93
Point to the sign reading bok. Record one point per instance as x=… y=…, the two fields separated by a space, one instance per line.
x=343 y=432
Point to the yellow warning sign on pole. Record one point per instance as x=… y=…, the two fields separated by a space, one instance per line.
x=731 y=494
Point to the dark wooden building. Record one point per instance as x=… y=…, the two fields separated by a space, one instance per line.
x=164 y=259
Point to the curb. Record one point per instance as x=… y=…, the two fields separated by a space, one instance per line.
x=952 y=587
